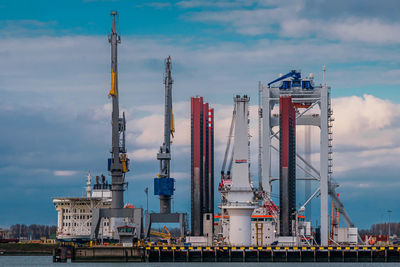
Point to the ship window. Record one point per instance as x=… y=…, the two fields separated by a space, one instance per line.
x=285 y=85
x=296 y=84
x=307 y=85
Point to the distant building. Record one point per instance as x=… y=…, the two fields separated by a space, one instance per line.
x=5 y=233
x=202 y=163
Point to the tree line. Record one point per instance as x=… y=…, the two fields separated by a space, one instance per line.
x=382 y=229
x=33 y=231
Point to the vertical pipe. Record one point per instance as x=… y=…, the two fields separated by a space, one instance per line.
x=324 y=166
x=307 y=157
x=260 y=187
x=266 y=140
x=211 y=160
x=205 y=162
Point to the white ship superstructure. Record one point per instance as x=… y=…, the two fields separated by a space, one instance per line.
x=75 y=213
x=264 y=230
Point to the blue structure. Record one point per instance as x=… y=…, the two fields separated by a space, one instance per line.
x=164 y=186
x=293 y=80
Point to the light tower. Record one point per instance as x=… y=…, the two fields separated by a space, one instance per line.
x=239 y=204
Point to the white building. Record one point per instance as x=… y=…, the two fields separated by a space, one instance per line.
x=75 y=213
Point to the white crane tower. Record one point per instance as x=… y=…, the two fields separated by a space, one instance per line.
x=239 y=204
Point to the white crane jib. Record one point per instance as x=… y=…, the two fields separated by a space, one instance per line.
x=240 y=197
x=241 y=190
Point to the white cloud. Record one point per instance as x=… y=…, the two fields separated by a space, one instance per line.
x=248 y=22
x=82 y=79
x=143 y=154
x=288 y=19
x=366 y=134
x=180 y=175
x=214 y=4
x=64 y=173
x=365 y=122
x=350 y=29
x=365 y=130
x=102 y=113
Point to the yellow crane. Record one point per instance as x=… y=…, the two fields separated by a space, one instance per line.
x=164 y=233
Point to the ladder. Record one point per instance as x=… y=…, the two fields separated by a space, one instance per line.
x=330 y=137
x=259 y=234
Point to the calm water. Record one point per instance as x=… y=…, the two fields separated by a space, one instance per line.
x=48 y=261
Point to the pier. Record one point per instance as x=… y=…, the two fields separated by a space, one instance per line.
x=231 y=254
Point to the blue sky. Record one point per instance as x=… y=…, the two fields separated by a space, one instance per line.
x=54 y=80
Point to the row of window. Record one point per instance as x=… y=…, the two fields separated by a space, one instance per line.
x=262 y=219
x=87 y=224
x=81 y=217
x=74 y=210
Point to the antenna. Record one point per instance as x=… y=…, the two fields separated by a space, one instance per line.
x=323 y=75
x=89 y=187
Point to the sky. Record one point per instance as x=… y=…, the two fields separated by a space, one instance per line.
x=55 y=76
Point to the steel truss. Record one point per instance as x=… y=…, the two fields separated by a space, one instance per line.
x=318 y=96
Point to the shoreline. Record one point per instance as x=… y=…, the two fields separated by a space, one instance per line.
x=26 y=249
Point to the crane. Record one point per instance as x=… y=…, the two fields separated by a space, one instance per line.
x=164 y=184
x=165 y=233
x=118 y=163
x=296 y=75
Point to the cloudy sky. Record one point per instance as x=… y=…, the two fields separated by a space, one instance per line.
x=54 y=79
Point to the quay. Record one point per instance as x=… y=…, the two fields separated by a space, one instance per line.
x=228 y=254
